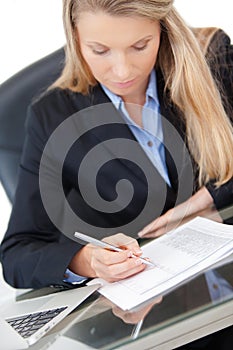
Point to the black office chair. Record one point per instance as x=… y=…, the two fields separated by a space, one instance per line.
x=15 y=96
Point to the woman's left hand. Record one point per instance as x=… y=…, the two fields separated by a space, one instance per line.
x=201 y=203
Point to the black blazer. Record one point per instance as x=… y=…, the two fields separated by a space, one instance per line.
x=34 y=252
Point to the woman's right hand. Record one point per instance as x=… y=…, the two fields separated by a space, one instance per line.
x=92 y=261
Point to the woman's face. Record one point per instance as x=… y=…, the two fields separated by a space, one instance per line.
x=120 y=51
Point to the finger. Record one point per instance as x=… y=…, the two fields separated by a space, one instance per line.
x=110 y=257
x=128 y=268
x=124 y=242
x=117 y=272
x=147 y=229
x=154 y=225
x=161 y=231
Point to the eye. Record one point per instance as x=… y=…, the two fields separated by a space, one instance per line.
x=140 y=47
x=99 y=52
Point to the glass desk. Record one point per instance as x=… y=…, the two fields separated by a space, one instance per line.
x=187 y=313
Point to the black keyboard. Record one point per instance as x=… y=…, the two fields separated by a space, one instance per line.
x=28 y=324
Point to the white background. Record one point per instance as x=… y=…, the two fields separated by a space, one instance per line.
x=31 y=29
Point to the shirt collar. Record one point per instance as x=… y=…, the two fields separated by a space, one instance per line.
x=151 y=91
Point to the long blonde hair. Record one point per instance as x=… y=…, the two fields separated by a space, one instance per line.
x=186 y=74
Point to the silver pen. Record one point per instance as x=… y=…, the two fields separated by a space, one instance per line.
x=97 y=242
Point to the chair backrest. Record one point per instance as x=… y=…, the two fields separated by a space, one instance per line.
x=15 y=95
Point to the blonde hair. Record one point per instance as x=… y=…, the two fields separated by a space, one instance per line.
x=186 y=74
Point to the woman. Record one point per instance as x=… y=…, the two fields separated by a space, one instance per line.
x=137 y=56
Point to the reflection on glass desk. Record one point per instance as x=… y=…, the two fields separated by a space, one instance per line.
x=185 y=314
x=195 y=309
x=104 y=326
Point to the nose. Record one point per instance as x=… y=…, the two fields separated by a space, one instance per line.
x=121 y=67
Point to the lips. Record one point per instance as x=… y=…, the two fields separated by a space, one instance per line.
x=123 y=85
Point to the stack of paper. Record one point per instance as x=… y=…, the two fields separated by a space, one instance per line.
x=178 y=256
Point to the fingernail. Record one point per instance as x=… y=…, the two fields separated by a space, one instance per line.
x=140 y=234
x=138 y=261
x=129 y=254
x=138 y=251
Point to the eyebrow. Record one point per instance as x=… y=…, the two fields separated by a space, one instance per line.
x=146 y=38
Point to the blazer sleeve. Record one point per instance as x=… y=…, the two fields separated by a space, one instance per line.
x=34 y=253
x=220 y=59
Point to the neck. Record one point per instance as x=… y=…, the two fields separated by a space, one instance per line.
x=139 y=96
x=135 y=112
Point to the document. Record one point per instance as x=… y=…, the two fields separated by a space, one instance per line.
x=179 y=255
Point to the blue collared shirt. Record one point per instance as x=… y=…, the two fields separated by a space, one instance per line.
x=150 y=136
